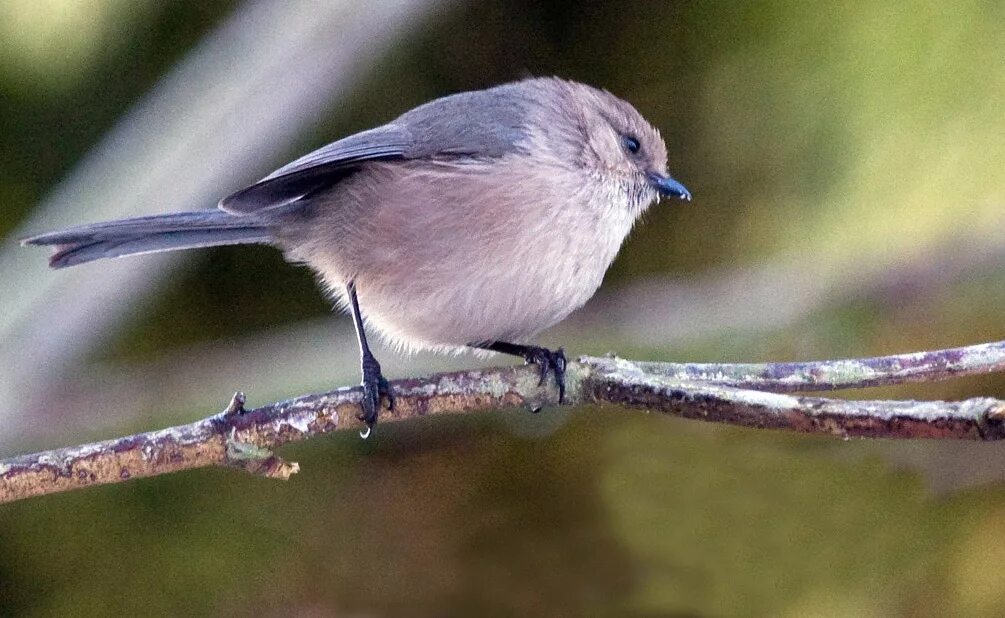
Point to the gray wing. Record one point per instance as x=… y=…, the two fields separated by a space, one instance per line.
x=319 y=169
x=480 y=124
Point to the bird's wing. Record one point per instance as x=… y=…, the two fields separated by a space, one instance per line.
x=323 y=167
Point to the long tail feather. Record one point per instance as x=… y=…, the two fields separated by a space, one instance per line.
x=184 y=230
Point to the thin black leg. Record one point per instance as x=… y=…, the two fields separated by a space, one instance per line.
x=374 y=384
x=547 y=360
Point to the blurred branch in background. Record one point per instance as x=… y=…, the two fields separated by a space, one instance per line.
x=229 y=109
x=710 y=392
x=778 y=293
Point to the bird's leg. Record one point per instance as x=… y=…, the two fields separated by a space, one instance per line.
x=546 y=360
x=374 y=383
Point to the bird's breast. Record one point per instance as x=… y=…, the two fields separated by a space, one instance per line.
x=449 y=255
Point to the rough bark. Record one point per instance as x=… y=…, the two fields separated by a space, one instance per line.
x=751 y=395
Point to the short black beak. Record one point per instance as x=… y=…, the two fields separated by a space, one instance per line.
x=668 y=186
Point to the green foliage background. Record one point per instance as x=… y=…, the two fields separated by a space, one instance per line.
x=851 y=135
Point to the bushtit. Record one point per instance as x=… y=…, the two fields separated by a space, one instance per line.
x=473 y=221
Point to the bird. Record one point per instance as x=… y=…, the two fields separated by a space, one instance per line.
x=471 y=222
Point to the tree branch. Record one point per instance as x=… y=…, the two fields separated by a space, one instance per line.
x=715 y=392
x=838 y=374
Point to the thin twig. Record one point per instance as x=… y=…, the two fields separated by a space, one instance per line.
x=837 y=374
x=711 y=392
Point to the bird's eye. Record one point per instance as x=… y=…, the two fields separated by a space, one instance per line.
x=631 y=144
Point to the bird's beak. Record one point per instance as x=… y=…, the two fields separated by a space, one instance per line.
x=668 y=186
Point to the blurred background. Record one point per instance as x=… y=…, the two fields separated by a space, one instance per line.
x=848 y=168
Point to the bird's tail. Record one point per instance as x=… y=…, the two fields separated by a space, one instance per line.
x=183 y=230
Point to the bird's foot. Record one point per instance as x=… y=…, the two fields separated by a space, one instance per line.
x=374 y=386
x=548 y=360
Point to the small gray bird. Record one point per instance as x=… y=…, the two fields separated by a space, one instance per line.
x=473 y=221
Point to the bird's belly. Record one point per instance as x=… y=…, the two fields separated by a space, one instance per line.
x=493 y=292
x=458 y=309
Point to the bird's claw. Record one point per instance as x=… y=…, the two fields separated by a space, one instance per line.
x=374 y=386
x=549 y=361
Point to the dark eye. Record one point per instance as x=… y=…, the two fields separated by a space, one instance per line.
x=631 y=144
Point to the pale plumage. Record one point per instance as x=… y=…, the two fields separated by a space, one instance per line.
x=492 y=247
x=478 y=219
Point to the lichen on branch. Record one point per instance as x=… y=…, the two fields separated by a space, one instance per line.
x=752 y=395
